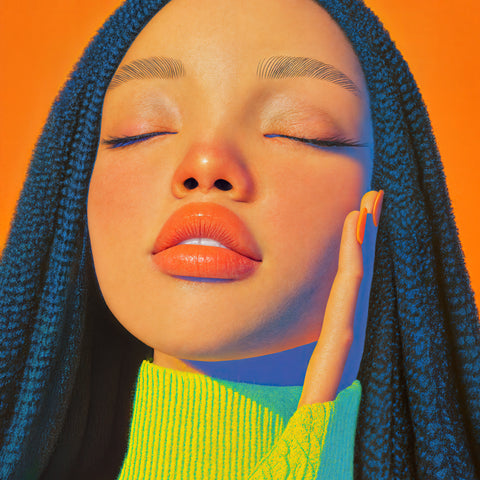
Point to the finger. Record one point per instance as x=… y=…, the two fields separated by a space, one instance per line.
x=373 y=203
x=325 y=368
x=368 y=200
x=377 y=208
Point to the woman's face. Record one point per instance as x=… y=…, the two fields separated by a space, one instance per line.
x=222 y=107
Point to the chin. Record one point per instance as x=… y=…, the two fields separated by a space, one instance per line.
x=201 y=345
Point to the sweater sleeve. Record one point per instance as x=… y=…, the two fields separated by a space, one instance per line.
x=317 y=443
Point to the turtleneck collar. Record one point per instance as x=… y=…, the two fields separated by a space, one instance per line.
x=187 y=425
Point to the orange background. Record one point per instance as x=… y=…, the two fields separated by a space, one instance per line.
x=40 y=42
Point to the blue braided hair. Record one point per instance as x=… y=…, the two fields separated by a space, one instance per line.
x=68 y=369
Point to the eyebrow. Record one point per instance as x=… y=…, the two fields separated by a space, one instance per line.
x=288 y=67
x=270 y=68
x=147 y=68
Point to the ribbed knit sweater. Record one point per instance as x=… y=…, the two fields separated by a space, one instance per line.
x=191 y=426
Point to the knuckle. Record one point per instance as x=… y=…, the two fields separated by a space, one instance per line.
x=347 y=337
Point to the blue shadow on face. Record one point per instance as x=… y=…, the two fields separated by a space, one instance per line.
x=282 y=368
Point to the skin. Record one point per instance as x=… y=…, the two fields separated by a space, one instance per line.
x=294 y=197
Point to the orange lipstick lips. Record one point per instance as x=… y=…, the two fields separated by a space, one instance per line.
x=206 y=240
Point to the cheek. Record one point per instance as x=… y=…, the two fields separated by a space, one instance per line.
x=304 y=214
x=314 y=201
x=121 y=203
x=123 y=218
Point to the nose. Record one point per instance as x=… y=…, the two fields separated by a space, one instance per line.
x=210 y=168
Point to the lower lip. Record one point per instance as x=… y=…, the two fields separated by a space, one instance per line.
x=204 y=262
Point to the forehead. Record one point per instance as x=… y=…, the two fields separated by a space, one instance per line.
x=234 y=36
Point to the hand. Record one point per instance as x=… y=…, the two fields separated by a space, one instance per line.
x=336 y=358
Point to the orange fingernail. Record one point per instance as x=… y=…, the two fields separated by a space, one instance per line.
x=362 y=220
x=377 y=207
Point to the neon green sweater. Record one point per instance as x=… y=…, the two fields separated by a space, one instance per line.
x=192 y=426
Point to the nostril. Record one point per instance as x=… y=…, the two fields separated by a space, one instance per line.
x=223 y=185
x=190 y=183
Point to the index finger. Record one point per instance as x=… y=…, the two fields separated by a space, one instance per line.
x=329 y=356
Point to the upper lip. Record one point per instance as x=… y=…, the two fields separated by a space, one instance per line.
x=207 y=220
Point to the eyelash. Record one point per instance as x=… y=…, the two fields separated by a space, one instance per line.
x=322 y=142
x=119 y=142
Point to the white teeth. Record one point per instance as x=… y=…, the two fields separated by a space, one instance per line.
x=202 y=241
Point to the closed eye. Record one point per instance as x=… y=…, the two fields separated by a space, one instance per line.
x=323 y=142
x=116 y=142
